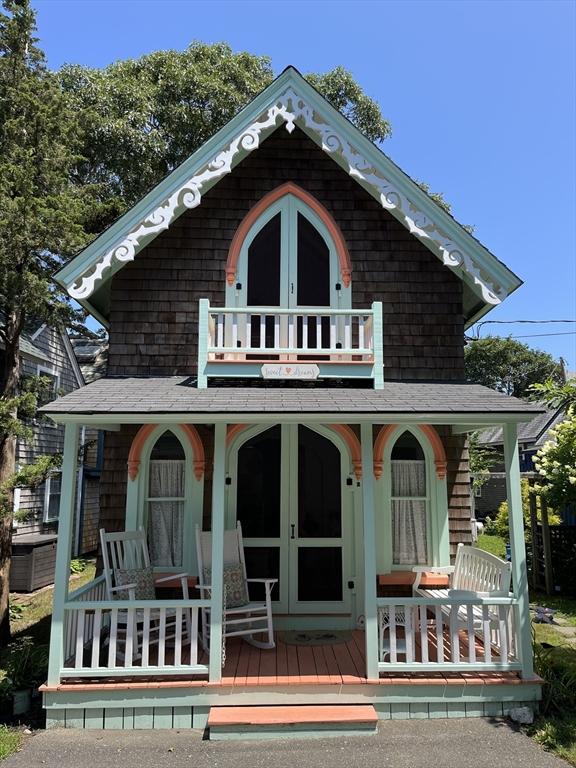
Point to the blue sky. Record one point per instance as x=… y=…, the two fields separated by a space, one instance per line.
x=481 y=97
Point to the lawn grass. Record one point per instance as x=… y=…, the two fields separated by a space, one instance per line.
x=555 y=661
x=493 y=544
x=37 y=608
x=10 y=741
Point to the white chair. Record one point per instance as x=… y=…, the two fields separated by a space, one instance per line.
x=128 y=575
x=241 y=617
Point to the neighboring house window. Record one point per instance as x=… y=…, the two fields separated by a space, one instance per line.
x=52 y=490
x=51 y=391
x=166 y=496
x=409 y=502
x=478 y=492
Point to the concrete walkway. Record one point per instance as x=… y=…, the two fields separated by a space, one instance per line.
x=453 y=743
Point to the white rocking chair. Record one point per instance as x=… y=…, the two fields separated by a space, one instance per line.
x=241 y=617
x=127 y=551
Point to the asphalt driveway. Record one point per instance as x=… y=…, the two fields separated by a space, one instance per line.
x=453 y=743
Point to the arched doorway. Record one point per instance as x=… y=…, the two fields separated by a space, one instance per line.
x=291 y=490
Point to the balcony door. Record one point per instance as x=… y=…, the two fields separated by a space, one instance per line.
x=288 y=259
x=290 y=493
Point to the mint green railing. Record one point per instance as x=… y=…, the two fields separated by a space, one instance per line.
x=350 y=339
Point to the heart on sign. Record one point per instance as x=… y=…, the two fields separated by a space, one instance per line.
x=288 y=370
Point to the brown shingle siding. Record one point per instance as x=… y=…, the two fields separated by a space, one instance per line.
x=158 y=293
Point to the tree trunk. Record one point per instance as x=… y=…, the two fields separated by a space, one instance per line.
x=10 y=377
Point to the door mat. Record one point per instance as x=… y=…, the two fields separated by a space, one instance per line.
x=317 y=637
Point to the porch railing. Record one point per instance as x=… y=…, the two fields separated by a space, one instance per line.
x=130 y=637
x=235 y=341
x=447 y=634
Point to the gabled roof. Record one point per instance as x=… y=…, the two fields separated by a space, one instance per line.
x=289 y=101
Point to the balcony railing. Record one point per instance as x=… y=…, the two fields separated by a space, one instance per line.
x=290 y=343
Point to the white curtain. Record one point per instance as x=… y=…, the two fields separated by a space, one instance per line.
x=409 y=514
x=166 y=518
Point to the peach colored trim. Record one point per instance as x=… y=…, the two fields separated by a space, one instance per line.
x=134 y=457
x=431 y=435
x=351 y=440
x=136 y=449
x=345 y=432
x=233 y=430
x=254 y=213
x=438 y=448
x=197 y=448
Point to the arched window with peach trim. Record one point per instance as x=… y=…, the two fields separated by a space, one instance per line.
x=165 y=490
x=288 y=252
x=410 y=467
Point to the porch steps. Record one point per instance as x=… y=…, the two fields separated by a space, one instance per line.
x=276 y=722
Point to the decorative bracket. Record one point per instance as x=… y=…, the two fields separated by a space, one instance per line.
x=291 y=108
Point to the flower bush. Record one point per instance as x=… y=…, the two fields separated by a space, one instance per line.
x=555 y=462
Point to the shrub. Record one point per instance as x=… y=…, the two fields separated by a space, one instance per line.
x=500 y=525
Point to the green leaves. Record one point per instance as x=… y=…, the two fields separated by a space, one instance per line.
x=508 y=365
x=141 y=118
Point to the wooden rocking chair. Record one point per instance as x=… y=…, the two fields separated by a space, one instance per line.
x=125 y=560
x=241 y=617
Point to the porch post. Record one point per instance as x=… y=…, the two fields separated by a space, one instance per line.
x=518 y=549
x=216 y=579
x=369 y=537
x=62 y=572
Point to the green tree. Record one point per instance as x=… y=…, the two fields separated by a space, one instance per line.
x=508 y=365
x=38 y=226
x=482 y=458
x=143 y=117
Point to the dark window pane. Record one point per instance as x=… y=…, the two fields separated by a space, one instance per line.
x=168 y=447
x=319 y=490
x=264 y=266
x=313 y=266
x=258 y=502
x=408 y=448
x=262 y=563
x=319 y=573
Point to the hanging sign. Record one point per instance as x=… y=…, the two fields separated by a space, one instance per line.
x=290 y=371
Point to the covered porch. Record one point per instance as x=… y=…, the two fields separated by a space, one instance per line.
x=384 y=644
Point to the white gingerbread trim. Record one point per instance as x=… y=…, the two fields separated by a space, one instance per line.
x=293 y=109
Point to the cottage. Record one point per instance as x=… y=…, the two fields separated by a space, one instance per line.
x=286 y=314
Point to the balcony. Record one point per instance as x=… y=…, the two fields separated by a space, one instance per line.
x=290 y=344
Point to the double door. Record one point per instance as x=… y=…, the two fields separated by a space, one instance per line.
x=290 y=490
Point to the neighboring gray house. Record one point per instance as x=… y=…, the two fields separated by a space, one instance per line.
x=48 y=352
x=531 y=437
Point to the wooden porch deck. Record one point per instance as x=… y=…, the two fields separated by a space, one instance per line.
x=340 y=664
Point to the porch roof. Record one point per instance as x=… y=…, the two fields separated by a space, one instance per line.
x=179 y=395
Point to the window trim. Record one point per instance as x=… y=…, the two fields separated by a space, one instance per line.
x=288 y=204
x=437 y=528
x=138 y=478
x=47 y=493
x=42 y=370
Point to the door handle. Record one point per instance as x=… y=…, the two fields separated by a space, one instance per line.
x=292 y=526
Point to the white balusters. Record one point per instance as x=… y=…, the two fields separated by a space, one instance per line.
x=120 y=637
x=433 y=633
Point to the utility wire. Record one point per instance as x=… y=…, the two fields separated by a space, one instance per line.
x=534 y=335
